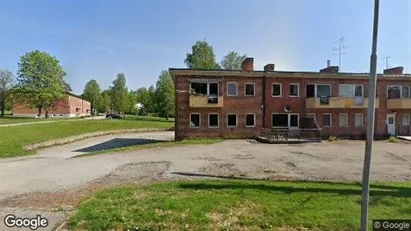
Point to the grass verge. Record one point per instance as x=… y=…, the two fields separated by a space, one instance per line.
x=239 y=205
x=14 y=138
x=153 y=145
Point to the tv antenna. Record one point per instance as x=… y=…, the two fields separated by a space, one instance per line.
x=340 y=49
x=386 y=61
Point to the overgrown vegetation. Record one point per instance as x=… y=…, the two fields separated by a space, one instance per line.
x=332 y=139
x=14 y=138
x=393 y=139
x=239 y=205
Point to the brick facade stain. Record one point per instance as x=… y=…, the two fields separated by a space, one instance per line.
x=263 y=104
x=70 y=106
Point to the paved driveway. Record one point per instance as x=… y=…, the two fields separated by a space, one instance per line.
x=52 y=180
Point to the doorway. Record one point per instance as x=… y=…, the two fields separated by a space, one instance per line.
x=391 y=124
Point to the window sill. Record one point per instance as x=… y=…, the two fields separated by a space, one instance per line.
x=294 y=96
x=195 y=127
x=345 y=126
x=276 y=96
x=249 y=95
x=232 y=95
x=213 y=126
x=253 y=126
x=327 y=126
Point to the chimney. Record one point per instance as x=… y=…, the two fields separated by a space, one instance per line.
x=247 y=64
x=394 y=71
x=329 y=68
x=269 y=67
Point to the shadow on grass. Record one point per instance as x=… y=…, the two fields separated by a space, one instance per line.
x=301 y=187
x=119 y=143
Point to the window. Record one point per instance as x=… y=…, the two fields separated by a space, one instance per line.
x=359 y=120
x=350 y=90
x=343 y=118
x=285 y=120
x=249 y=89
x=232 y=89
x=204 y=88
x=406 y=120
x=397 y=92
x=294 y=89
x=310 y=115
x=327 y=120
x=194 y=120
x=318 y=90
x=213 y=121
x=250 y=120
x=276 y=89
x=231 y=120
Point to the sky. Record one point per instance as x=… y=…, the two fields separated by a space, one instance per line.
x=96 y=39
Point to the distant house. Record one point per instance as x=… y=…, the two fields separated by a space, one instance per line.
x=70 y=106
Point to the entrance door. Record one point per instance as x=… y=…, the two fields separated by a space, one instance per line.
x=391 y=124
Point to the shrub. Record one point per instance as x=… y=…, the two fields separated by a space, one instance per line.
x=332 y=138
x=393 y=139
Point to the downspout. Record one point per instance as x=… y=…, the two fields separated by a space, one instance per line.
x=264 y=105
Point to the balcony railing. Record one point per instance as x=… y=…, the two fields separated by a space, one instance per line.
x=339 y=102
x=401 y=103
x=206 y=101
x=284 y=134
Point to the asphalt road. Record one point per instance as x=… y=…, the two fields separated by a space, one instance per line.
x=52 y=180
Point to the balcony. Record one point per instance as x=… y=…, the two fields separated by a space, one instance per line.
x=402 y=103
x=339 y=102
x=206 y=101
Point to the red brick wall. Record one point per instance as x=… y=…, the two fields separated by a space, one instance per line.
x=241 y=105
x=62 y=107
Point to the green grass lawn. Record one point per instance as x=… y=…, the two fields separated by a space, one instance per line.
x=154 y=145
x=239 y=205
x=14 y=138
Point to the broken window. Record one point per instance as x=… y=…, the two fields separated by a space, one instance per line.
x=199 y=88
x=194 y=120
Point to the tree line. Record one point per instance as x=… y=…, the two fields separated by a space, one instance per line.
x=41 y=81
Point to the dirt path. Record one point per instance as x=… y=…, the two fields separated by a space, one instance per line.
x=51 y=182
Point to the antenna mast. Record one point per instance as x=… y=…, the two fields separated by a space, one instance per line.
x=386 y=61
x=340 y=49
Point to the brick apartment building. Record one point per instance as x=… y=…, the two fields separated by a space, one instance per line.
x=240 y=103
x=71 y=106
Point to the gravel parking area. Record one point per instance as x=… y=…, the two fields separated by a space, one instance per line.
x=53 y=182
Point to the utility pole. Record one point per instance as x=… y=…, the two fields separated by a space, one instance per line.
x=340 y=49
x=370 y=124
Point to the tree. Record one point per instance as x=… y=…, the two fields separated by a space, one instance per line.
x=132 y=102
x=232 y=61
x=6 y=79
x=202 y=57
x=119 y=94
x=40 y=81
x=92 y=93
x=165 y=94
x=105 y=103
x=152 y=107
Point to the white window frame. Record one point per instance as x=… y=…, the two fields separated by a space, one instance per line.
x=339 y=121
x=218 y=120
x=281 y=90
x=402 y=120
x=236 y=88
x=249 y=126
x=236 y=120
x=199 y=123
x=355 y=120
x=245 y=88
x=353 y=86
x=208 y=87
x=298 y=91
x=401 y=90
x=331 y=120
x=320 y=84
